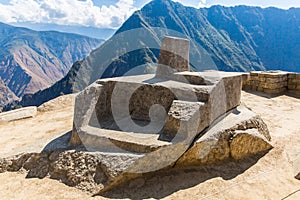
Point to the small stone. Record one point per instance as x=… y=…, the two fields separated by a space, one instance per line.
x=18 y=114
x=298 y=176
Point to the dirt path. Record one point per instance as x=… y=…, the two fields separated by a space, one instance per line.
x=30 y=135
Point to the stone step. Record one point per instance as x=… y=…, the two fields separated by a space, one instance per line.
x=104 y=140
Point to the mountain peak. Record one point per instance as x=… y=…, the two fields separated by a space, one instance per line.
x=238 y=38
x=161 y=2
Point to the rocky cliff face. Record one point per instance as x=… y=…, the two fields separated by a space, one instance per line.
x=32 y=61
x=6 y=95
x=238 y=38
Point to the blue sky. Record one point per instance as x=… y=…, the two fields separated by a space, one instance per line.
x=101 y=13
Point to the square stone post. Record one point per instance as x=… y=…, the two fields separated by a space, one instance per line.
x=174 y=56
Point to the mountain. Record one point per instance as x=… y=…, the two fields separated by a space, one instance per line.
x=237 y=38
x=93 y=32
x=31 y=61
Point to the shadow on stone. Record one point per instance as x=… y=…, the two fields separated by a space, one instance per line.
x=271 y=96
x=165 y=182
x=60 y=143
x=262 y=94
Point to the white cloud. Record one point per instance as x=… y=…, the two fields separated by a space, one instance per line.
x=67 y=12
x=193 y=3
x=202 y=4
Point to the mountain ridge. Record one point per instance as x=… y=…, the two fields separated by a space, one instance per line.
x=92 y=32
x=34 y=60
x=241 y=38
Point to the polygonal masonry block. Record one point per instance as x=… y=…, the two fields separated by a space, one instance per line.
x=275 y=91
x=174 y=56
x=182 y=120
x=292 y=87
x=294 y=80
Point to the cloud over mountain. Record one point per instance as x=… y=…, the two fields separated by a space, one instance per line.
x=67 y=12
x=202 y=3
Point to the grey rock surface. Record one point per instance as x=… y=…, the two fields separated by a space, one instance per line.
x=237 y=134
x=17 y=114
x=6 y=95
x=87 y=171
x=174 y=56
x=157 y=119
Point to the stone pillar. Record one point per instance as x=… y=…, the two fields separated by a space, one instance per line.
x=174 y=56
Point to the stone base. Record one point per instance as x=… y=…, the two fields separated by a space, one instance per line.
x=88 y=171
x=155 y=119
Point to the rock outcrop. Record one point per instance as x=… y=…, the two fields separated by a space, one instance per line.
x=6 y=95
x=237 y=134
x=84 y=170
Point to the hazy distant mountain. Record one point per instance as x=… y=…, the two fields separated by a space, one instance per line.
x=93 y=32
x=238 y=38
x=32 y=61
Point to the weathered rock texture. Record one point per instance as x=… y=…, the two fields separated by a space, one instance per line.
x=267 y=82
x=21 y=113
x=294 y=82
x=84 y=170
x=238 y=134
